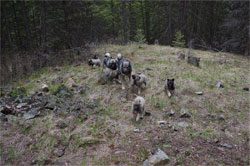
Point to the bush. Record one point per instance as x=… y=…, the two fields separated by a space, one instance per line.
x=139 y=37
x=179 y=40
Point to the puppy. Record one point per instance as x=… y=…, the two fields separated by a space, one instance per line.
x=124 y=68
x=110 y=74
x=112 y=64
x=138 y=108
x=94 y=62
x=105 y=60
x=169 y=87
x=139 y=80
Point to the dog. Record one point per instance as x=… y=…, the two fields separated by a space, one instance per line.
x=94 y=62
x=139 y=80
x=169 y=87
x=112 y=64
x=138 y=108
x=124 y=68
x=105 y=60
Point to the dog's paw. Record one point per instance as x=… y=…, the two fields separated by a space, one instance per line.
x=123 y=88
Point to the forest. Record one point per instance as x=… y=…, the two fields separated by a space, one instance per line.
x=54 y=25
x=124 y=82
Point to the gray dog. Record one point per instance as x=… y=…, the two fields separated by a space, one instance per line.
x=124 y=68
x=139 y=80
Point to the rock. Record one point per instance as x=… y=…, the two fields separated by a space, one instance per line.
x=32 y=113
x=199 y=93
x=162 y=122
x=171 y=112
x=2 y=102
x=157 y=158
x=216 y=140
x=45 y=88
x=157 y=105
x=3 y=117
x=63 y=91
x=83 y=90
x=21 y=105
x=136 y=130
x=59 y=151
x=193 y=61
x=61 y=124
x=219 y=85
x=91 y=103
x=246 y=88
x=148 y=68
x=182 y=56
x=7 y=110
x=221 y=117
x=185 y=113
x=226 y=146
x=182 y=124
x=123 y=97
x=51 y=102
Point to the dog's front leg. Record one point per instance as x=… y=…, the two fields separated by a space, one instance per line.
x=169 y=94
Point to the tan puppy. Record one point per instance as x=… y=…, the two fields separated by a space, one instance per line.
x=138 y=108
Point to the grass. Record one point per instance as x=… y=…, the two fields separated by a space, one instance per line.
x=112 y=120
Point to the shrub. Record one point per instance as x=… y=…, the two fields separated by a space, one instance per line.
x=179 y=40
x=139 y=37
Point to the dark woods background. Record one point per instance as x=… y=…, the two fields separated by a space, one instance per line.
x=43 y=26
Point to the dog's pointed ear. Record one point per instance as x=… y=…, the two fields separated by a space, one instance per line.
x=173 y=79
x=168 y=79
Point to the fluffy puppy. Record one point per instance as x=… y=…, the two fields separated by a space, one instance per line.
x=124 y=68
x=105 y=60
x=110 y=74
x=112 y=64
x=94 y=62
x=169 y=87
x=138 y=108
x=139 y=80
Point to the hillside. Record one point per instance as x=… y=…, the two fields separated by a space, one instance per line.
x=86 y=123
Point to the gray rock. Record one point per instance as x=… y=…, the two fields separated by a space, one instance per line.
x=219 y=85
x=157 y=158
x=162 y=122
x=148 y=68
x=3 y=117
x=45 y=88
x=59 y=151
x=199 y=93
x=171 y=112
x=21 y=105
x=226 y=146
x=193 y=61
x=157 y=105
x=182 y=124
x=2 y=102
x=32 y=113
x=63 y=91
x=182 y=56
x=7 y=110
x=246 y=88
x=216 y=140
x=221 y=117
x=61 y=124
x=185 y=113
x=123 y=97
x=136 y=130
x=91 y=104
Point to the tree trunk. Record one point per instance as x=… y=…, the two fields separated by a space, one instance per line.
x=147 y=16
x=132 y=21
x=27 y=25
x=7 y=26
x=43 y=26
x=124 y=19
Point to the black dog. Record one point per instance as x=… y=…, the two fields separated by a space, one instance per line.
x=169 y=87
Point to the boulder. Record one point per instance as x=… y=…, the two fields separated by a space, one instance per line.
x=158 y=157
x=199 y=93
x=61 y=124
x=193 y=61
x=171 y=112
x=32 y=113
x=182 y=56
x=45 y=88
x=185 y=113
x=182 y=124
x=219 y=85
